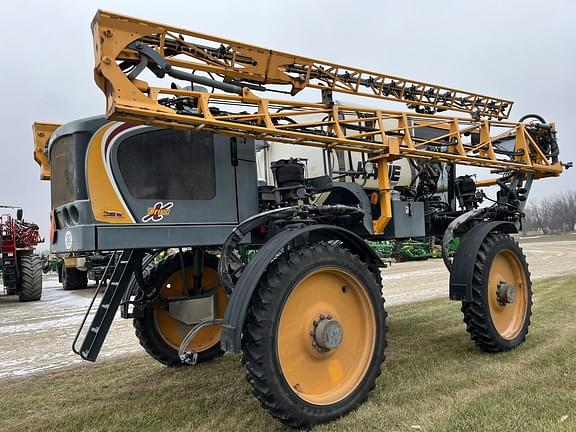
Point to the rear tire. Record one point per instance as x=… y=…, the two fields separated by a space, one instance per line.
x=29 y=277
x=295 y=378
x=495 y=324
x=74 y=279
x=160 y=334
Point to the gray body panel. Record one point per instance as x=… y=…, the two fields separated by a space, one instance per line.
x=199 y=222
x=407 y=220
x=87 y=238
x=87 y=125
x=160 y=236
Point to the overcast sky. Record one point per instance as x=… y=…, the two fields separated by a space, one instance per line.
x=519 y=50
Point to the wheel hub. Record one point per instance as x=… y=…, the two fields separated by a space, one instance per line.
x=327 y=333
x=505 y=293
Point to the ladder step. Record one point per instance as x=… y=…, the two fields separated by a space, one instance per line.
x=109 y=304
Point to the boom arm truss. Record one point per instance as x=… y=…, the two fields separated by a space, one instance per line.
x=240 y=64
x=125 y=47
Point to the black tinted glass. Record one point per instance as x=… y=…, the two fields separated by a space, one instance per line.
x=168 y=164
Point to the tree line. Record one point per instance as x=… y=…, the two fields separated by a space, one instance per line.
x=555 y=213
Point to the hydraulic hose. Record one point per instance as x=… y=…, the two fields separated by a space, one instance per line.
x=449 y=233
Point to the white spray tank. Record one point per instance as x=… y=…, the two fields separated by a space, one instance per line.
x=401 y=171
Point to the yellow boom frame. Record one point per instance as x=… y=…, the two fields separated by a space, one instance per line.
x=42 y=133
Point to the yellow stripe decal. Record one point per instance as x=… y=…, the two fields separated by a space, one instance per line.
x=107 y=204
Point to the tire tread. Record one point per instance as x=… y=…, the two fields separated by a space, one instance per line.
x=263 y=387
x=476 y=312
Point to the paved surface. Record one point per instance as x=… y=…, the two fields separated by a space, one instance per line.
x=421 y=280
x=37 y=336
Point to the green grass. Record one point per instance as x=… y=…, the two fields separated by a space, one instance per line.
x=434 y=379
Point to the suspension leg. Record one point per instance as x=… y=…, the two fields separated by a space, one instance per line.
x=198 y=264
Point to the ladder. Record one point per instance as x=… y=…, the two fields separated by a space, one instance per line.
x=9 y=272
x=8 y=254
x=109 y=304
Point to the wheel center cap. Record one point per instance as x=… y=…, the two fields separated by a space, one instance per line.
x=506 y=293
x=328 y=333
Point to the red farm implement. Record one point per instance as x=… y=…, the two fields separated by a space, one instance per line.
x=21 y=267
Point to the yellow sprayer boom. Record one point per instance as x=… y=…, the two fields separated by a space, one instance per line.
x=125 y=46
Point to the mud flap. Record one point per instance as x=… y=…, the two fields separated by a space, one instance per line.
x=239 y=302
x=465 y=257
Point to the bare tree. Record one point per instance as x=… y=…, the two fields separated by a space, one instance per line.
x=542 y=213
x=565 y=206
x=555 y=213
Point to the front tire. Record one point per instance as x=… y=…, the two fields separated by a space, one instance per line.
x=498 y=316
x=315 y=334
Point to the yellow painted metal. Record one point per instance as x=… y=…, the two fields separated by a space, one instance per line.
x=343 y=117
x=384 y=135
x=106 y=202
x=486 y=183
x=233 y=60
x=173 y=331
x=42 y=133
x=70 y=261
x=325 y=378
x=509 y=318
x=385 y=198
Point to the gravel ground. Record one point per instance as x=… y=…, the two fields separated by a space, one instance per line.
x=36 y=337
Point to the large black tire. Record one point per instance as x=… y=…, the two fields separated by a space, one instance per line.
x=268 y=336
x=160 y=346
x=74 y=279
x=494 y=323
x=29 y=277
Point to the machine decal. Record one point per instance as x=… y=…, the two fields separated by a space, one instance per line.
x=157 y=213
x=102 y=193
x=394 y=173
x=113 y=136
x=107 y=202
x=68 y=240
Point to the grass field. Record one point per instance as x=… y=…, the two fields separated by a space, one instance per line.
x=434 y=379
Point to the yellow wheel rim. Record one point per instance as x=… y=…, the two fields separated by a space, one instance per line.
x=173 y=331
x=324 y=378
x=508 y=318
